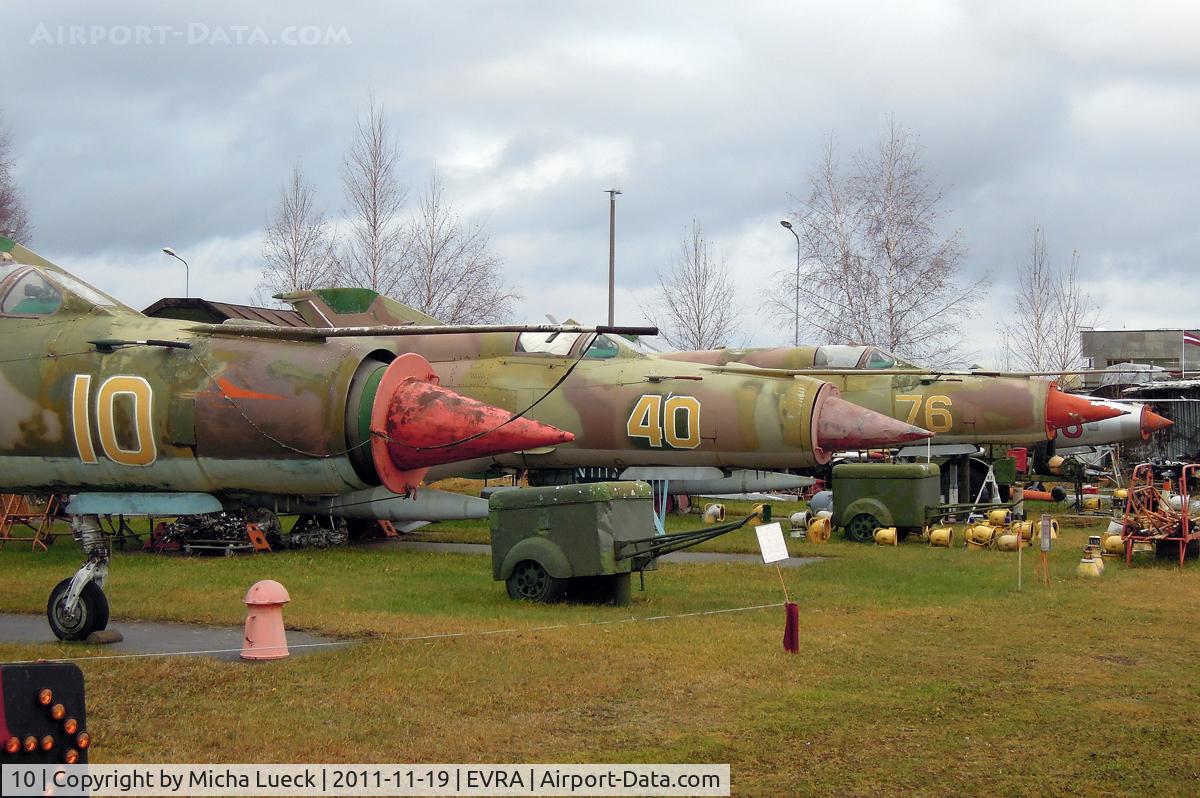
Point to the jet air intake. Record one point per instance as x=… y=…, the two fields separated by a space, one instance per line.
x=836 y=425
x=1066 y=409
x=408 y=422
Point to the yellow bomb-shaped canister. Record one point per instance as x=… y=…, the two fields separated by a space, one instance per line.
x=1113 y=544
x=886 y=536
x=979 y=536
x=1089 y=567
x=941 y=536
x=999 y=517
x=1091 y=502
x=1120 y=495
x=1023 y=529
x=818 y=530
x=1010 y=542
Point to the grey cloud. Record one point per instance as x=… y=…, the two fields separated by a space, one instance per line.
x=714 y=111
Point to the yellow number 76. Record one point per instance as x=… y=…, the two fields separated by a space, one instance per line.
x=937 y=411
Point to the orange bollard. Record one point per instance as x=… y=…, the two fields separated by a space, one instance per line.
x=265 y=638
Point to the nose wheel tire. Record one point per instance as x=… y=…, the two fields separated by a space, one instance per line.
x=531 y=582
x=861 y=528
x=90 y=614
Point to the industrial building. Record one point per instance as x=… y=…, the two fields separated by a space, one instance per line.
x=1163 y=348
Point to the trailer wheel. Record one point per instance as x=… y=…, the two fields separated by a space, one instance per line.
x=91 y=614
x=861 y=528
x=531 y=582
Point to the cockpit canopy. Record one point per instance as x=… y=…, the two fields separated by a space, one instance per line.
x=857 y=357
x=602 y=347
x=37 y=291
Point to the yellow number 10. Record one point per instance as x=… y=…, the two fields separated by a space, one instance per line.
x=143 y=452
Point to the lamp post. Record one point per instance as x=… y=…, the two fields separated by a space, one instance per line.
x=796 y=308
x=612 y=249
x=187 y=279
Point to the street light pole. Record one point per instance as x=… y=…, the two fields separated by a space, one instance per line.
x=187 y=277
x=612 y=251
x=796 y=308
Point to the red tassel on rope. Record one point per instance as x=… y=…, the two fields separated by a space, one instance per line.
x=791 y=628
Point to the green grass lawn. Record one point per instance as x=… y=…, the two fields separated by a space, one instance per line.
x=921 y=671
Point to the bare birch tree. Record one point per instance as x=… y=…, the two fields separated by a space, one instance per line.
x=373 y=252
x=1051 y=308
x=450 y=270
x=298 y=244
x=695 y=305
x=14 y=220
x=877 y=269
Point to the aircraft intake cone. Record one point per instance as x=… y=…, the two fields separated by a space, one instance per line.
x=1152 y=422
x=844 y=426
x=1067 y=410
x=416 y=423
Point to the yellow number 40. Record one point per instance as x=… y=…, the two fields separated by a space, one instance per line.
x=655 y=420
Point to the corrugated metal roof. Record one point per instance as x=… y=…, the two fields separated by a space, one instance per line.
x=197 y=309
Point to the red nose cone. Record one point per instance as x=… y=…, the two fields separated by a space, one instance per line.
x=1152 y=422
x=416 y=423
x=1066 y=410
x=844 y=426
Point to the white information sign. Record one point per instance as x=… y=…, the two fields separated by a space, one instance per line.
x=770 y=541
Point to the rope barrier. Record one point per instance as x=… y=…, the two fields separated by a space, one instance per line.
x=412 y=638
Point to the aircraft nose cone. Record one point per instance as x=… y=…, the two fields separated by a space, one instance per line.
x=844 y=426
x=1152 y=422
x=1066 y=410
x=416 y=423
x=429 y=425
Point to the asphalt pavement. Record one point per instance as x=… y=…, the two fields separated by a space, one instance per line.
x=146 y=637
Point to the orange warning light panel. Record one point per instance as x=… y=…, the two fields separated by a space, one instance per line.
x=42 y=714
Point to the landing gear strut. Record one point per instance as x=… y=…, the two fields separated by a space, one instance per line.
x=77 y=605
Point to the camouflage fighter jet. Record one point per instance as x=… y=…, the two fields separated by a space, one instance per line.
x=958 y=407
x=631 y=415
x=141 y=416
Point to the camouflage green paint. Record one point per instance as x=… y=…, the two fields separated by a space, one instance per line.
x=742 y=420
x=957 y=408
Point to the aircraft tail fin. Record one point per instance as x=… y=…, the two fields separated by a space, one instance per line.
x=347 y=307
x=23 y=254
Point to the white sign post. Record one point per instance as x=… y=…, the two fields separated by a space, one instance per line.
x=771 y=543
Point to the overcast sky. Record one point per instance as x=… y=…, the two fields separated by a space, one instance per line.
x=139 y=125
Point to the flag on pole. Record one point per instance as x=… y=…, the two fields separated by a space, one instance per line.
x=1188 y=337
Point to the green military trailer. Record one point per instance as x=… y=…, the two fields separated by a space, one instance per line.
x=867 y=496
x=583 y=542
x=550 y=542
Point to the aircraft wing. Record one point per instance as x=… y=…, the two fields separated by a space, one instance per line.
x=321 y=333
x=935 y=374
